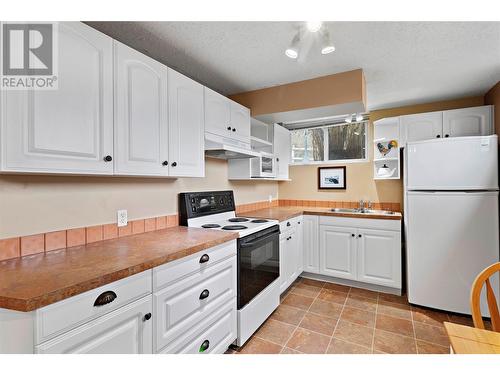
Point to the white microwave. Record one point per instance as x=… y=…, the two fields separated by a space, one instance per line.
x=263 y=166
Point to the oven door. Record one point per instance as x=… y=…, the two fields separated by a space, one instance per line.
x=258 y=263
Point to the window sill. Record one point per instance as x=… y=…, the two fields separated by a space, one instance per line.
x=332 y=162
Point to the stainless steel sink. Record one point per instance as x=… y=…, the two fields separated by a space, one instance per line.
x=362 y=211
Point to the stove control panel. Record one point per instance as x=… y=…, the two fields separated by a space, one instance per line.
x=198 y=204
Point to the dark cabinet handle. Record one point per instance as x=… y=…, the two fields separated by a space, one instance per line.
x=288 y=224
x=228 y=128
x=234 y=129
x=108 y=158
x=204 y=258
x=277 y=159
x=359 y=235
x=204 y=346
x=298 y=222
x=146 y=317
x=446 y=135
x=438 y=136
x=165 y=163
x=174 y=164
x=204 y=294
x=105 y=298
x=353 y=235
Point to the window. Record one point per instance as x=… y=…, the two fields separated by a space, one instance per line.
x=329 y=143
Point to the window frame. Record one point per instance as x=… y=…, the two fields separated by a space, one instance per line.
x=326 y=144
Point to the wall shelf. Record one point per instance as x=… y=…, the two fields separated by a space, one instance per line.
x=385 y=131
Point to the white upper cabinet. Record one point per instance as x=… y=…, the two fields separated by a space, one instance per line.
x=217 y=113
x=468 y=122
x=282 y=140
x=240 y=122
x=422 y=126
x=226 y=118
x=187 y=126
x=70 y=129
x=141 y=114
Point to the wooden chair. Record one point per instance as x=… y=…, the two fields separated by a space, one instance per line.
x=475 y=298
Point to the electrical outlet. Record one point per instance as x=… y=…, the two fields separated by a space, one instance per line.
x=270 y=198
x=121 y=218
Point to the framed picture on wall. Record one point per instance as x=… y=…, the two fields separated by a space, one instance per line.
x=331 y=178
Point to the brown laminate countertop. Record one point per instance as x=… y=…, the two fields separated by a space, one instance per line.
x=35 y=281
x=288 y=212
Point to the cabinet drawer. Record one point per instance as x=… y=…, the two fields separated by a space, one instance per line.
x=174 y=271
x=286 y=225
x=217 y=331
x=124 y=331
x=62 y=316
x=360 y=223
x=181 y=305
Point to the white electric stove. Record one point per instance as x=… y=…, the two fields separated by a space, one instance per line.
x=258 y=259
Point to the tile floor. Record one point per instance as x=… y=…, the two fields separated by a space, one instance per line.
x=323 y=318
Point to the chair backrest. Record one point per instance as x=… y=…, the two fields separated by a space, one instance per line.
x=475 y=298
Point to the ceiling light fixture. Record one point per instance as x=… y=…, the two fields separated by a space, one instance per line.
x=326 y=43
x=293 y=50
x=314 y=26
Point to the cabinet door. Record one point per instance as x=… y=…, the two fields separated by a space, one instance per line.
x=284 y=262
x=310 y=243
x=69 y=129
x=240 y=122
x=467 y=122
x=282 y=150
x=337 y=252
x=186 y=126
x=292 y=256
x=379 y=257
x=422 y=126
x=300 y=246
x=141 y=122
x=217 y=113
x=127 y=330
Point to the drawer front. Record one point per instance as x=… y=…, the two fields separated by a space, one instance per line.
x=196 y=263
x=286 y=225
x=338 y=221
x=123 y=331
x=181 y=305
x=62 y=316
x=212 y=335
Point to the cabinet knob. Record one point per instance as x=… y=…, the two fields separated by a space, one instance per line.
x=438 y=136
x=277 y=159
x=353 y=235
x=204 y=258
x=174 y=164
x=108 y=158
x=288 y=224
x=446 y=135
x=359 y=235
x=234 y=129
x=165 y=163
x=228 y=128
x=146 y=317
x=204 y=346
x=204 y=294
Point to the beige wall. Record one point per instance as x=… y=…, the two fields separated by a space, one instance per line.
x=35 y=204
x=311 y=93
x=360 y=182
x=492 y=97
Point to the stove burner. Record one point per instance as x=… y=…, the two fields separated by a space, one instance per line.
x=234 y=227
x=238 y=219
x=258 y=221
x=210 y=226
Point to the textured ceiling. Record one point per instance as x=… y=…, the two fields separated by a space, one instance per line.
x=404 y=62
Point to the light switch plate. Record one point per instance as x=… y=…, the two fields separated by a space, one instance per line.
x=121 y=218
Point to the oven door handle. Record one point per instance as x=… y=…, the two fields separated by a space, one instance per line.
x=258 y=240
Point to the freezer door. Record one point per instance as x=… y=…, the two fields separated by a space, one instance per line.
x=452 y=236
x=462 y=163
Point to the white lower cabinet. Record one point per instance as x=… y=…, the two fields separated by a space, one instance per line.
x=310 y=245
x=364 y=250
x=127 y=330
x=337 y=251
x=290 y=252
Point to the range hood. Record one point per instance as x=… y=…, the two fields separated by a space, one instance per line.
x=223 y=148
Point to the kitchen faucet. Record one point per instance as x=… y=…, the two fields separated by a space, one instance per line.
x=361 y=205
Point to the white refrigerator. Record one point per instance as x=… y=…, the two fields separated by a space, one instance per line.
x=451 y=219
